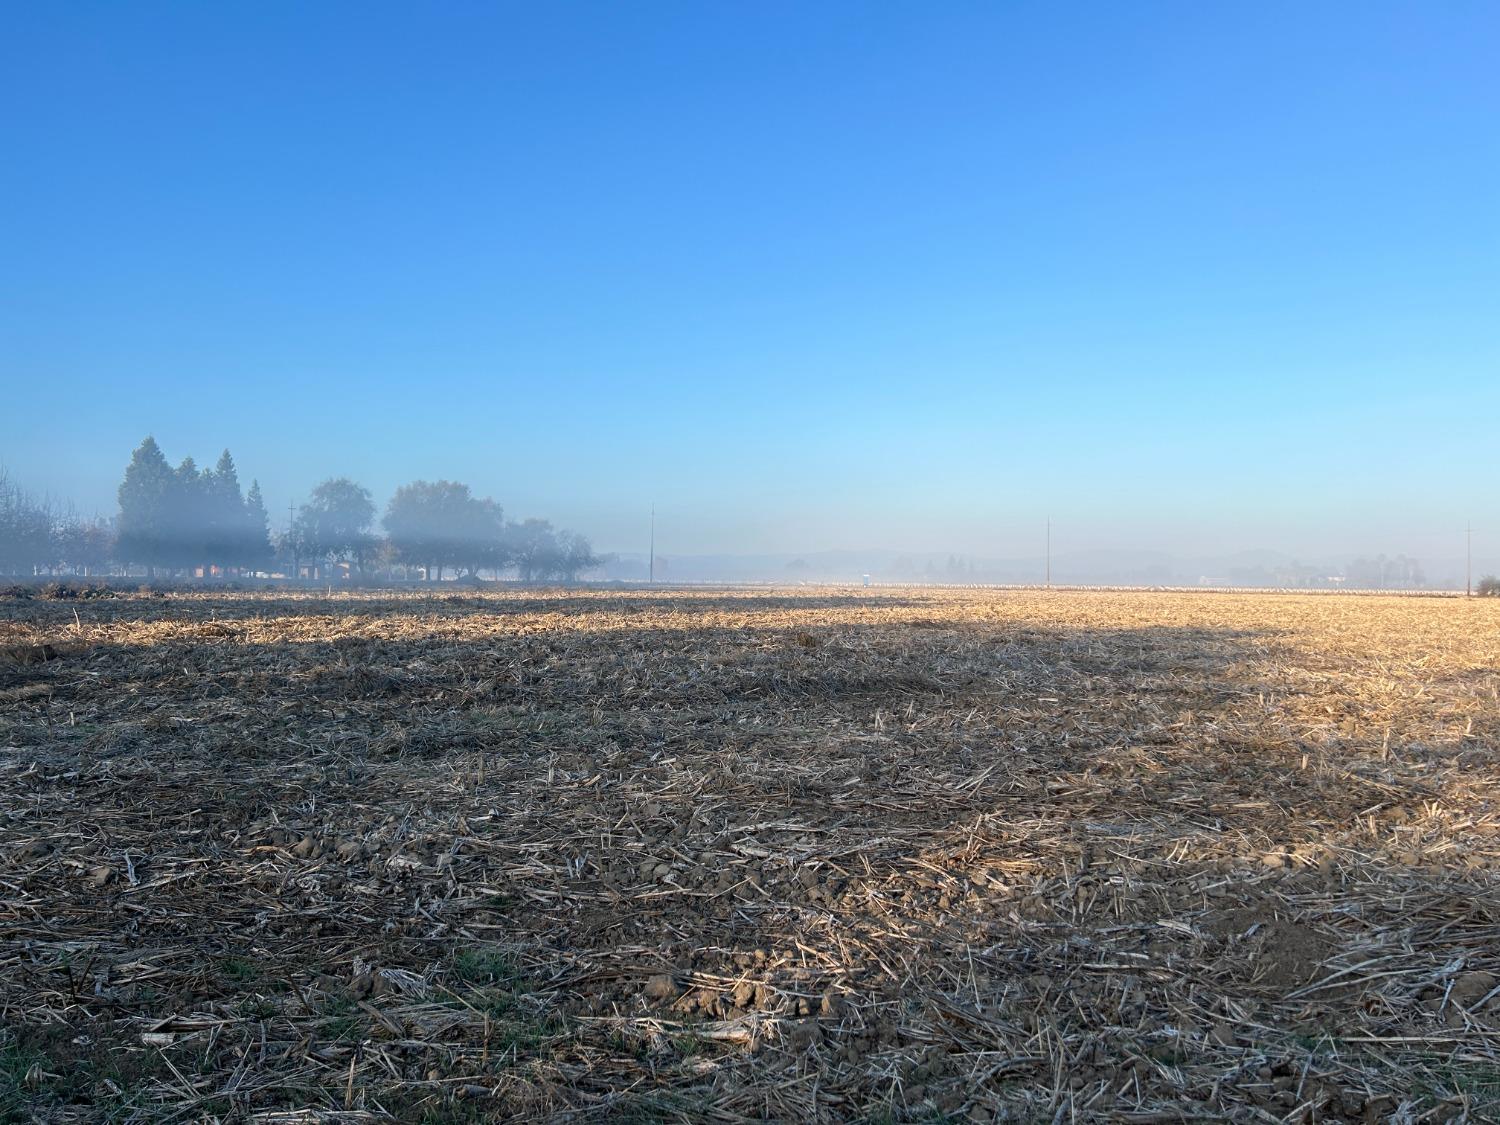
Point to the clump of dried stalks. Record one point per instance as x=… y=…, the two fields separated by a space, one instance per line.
x=735 y=855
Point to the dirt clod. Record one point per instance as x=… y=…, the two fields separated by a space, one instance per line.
x=661 y=987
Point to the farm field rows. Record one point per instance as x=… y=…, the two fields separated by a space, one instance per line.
x=727 y=855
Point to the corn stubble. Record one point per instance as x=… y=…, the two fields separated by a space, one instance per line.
x=727 y=855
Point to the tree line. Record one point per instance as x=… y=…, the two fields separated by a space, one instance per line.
x=183 y=519
x=38 y=534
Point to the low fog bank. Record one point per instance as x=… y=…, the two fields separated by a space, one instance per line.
x=1264 y=568
x=184 y=521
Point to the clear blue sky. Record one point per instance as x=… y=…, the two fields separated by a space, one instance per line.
x=808 y=275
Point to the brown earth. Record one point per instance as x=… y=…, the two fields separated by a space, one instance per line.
x=727 y=855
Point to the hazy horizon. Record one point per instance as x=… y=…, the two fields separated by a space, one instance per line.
x=980 y=533
x=1191 y=280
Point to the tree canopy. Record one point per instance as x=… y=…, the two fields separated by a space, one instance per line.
x=438 y=524
x=26 y=528
x=542 y=553
x=334 y=523
x=441 y=524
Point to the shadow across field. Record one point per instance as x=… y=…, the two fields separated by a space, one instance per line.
x=623 y=664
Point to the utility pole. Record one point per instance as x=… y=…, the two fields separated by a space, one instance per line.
x=1049 y=552
x=291 y=535
x=651 y=566
x=1468 y=560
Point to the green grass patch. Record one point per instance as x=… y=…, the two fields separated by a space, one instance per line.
x=341 y=1019
x=16 y=1063
x=256 y=1008
x=490 y=980
x=239 y=969
x=485 y=965
x=1480 y=1085
x=524 y=1033
x=46 y=1072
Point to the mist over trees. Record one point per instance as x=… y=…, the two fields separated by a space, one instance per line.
x=542 y=553
x=40 y=535
x=25 y=528
x=186 y=518
x=437 y=525
x=183 y=520
x=440 y=524
x=334 y=524
x=1382 y=573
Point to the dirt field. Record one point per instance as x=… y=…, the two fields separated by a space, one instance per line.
x=841 y=855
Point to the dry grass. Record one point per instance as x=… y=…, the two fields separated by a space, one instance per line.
x=910 y=855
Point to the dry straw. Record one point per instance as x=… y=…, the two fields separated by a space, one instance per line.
x=734 y=855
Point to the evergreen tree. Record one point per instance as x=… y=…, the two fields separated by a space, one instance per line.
x=225 y=534
x=146 y=498
x=255 y=544
x=188 y=515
